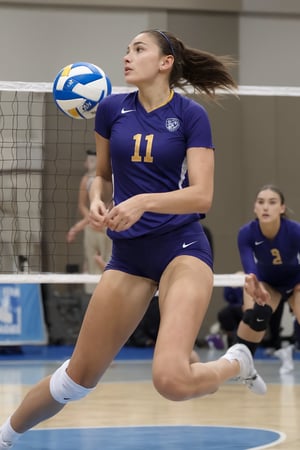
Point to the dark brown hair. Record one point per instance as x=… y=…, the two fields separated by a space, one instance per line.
x=204 y=71
x=273 y=188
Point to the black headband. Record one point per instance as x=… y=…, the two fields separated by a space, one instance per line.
x=168 y=41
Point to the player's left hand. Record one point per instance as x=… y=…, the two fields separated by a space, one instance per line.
x=97 y=215
x=256 y=290
x=125 y=214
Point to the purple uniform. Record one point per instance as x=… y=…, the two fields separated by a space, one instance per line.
x=148 y=155
x=274 y=261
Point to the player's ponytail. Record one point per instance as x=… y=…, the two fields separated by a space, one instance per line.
x=204 y=71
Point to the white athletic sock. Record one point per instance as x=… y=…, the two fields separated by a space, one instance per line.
x=8 y=434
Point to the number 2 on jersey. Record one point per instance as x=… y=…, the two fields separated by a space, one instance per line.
x=277 y=257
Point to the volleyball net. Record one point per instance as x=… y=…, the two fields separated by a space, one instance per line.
x=42 y=161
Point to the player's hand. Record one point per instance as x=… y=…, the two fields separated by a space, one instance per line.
x=256 y=290
x=97 y=214
x=125 y=214
x=71 y=235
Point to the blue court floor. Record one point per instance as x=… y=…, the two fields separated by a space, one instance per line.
x=150 y=438
x=133 y=365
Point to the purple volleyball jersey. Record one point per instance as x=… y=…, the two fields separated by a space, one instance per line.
x=275 y=261
x=148 y=152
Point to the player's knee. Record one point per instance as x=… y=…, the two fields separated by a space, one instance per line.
x=63 y=389
x=258 y=318
x=168 y=383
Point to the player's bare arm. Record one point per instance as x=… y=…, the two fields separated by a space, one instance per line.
x=256 y=290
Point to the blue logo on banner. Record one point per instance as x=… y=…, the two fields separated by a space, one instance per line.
x=10 y=310
x=21 y=315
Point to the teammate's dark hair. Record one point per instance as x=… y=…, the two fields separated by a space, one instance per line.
x=272 y=187
x=204 y=71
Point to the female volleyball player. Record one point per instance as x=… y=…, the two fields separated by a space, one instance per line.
x=269 y=248
x=155 y=158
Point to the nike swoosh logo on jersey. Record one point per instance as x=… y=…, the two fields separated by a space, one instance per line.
x=184 y=245
x=125 y=111
x=258 y=242
x=259 y=320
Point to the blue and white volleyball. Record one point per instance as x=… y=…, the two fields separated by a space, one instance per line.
x=78 y=88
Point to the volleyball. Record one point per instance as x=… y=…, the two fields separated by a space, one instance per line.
x=78 y=88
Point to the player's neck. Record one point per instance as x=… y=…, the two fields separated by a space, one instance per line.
x=152 y=100
x=270 y=230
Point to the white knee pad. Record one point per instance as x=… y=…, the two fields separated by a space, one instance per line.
x=63 y=389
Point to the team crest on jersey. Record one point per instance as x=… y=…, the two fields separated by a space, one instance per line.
x=172 y=124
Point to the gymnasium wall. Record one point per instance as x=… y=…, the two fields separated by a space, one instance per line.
x=39 y=37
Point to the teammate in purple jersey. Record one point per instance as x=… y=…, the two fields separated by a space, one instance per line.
x=154 y=180
x=269 y=248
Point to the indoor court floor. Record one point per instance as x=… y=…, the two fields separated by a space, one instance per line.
x=126 y=413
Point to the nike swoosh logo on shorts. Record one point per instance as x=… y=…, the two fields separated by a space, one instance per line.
x=125 y=111
x=184 y=245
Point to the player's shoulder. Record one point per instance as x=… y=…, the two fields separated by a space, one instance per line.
x=188 y=103
x=111 y=107
x=290 y=224
x=116 y=101
x=249 y=227
x=190 y=112
x=249 y=232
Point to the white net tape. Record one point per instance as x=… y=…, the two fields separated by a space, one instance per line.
x=242 y=90
x=61 y=278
